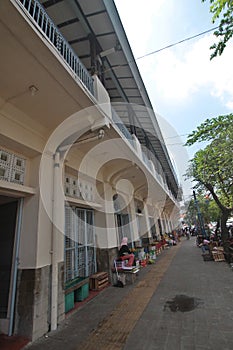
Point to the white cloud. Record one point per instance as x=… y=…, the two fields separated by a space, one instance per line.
x=138 y=32
x=185 y=70
x=180 y=72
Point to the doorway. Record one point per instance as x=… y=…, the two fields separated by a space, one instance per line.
x=8 y=215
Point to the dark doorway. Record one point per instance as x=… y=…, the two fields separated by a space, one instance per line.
x=160 y=227
x=8 y=214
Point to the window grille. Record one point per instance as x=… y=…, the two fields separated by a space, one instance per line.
x=79 y=188
x=80 y=251
x=12 y=167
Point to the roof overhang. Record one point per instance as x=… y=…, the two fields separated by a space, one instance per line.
x=96 y=25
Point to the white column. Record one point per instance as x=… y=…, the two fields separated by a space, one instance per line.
x=134 y=224
x=106 y=229
x=57 y=236
x=146 y=220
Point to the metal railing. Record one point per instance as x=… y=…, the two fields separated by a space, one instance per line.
x=121 y=126
x=42 y=20
x=158 y=168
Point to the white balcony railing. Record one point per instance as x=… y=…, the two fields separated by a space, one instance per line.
x=152 y=164
x=43 y=22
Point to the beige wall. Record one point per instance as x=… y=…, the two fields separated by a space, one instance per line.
x=37 y=228
x=20 y=128
x=28 y=137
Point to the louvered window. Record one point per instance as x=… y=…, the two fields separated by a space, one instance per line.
x=80 y=251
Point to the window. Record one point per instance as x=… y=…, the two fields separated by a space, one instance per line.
x=80 y=251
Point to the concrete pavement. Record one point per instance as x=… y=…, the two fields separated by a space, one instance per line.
x=181 y=302
x=207 y=293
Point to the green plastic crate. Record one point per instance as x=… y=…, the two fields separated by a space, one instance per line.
x=69 y=301
x=81 y=293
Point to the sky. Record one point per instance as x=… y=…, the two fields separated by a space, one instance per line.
x=184 y=86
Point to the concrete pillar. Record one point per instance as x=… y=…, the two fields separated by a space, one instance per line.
x=134 y=224
x=105 y=220
x=146 y=221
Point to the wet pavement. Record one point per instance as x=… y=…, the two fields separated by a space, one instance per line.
x=179 y=303
x=183 y=303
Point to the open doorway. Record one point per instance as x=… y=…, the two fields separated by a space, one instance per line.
x=122 y=220
x=8 y=217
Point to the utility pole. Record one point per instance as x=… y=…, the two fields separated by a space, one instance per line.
x=200 y=218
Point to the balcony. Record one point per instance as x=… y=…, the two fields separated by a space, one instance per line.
x=151 y=164
x=41 y=20
x=39 y=17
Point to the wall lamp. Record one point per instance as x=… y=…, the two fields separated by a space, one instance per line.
x=33 y=90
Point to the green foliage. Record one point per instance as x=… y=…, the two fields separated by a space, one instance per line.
x=213 y=211
x=212 y=167
x=191 y=213
x=220 y=126
x=223 y=8
x=208 y=208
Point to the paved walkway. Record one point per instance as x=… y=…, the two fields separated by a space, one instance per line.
x=179 y=303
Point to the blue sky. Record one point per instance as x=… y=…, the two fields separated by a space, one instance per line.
x=184 y=86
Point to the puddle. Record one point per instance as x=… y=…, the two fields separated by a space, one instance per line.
x=182 y=303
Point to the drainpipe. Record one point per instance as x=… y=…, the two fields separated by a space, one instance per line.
x=56 y=214
x=15 y=266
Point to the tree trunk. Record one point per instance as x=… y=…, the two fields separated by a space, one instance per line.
x=225 y=232
x=217 y=228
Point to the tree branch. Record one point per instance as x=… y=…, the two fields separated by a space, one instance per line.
x=215 y=197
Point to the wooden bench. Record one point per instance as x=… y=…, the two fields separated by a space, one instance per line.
x=75 y=290
x=75 y=284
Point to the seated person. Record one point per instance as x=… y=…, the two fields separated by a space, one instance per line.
x=205 y=246
x=124 y=252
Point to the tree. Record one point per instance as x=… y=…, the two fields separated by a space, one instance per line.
x=212 y=167
x=209 y=210
x=223 y=8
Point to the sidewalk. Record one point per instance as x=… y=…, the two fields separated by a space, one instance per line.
x=206 y=322
x=179 y=303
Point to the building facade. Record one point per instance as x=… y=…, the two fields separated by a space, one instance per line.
x=82 y=157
